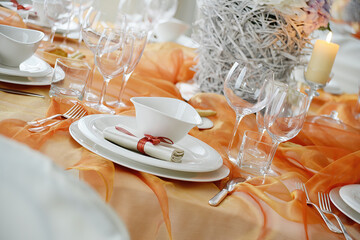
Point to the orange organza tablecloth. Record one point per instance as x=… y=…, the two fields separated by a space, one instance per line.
x=321 y=156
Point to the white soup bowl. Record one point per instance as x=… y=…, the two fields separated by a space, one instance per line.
x=165 y=117
x=18 y=44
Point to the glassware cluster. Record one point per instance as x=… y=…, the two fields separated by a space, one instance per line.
x=281 y=112
x=117 y=44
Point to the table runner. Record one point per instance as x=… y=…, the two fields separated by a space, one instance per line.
x=321 y=156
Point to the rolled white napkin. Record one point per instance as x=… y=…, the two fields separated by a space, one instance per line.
x=161 y=151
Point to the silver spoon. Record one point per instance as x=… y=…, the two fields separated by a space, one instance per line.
x=217 y=199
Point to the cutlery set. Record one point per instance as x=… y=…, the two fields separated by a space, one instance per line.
x=323 y=208
x=75 y=112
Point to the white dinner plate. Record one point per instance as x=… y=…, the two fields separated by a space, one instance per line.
x=40 y=201
x=342 y=206
x=60 y=29
x=129 y=163
x=32 y=67
x=198 y=156
x=351 y=196
x=32 y=81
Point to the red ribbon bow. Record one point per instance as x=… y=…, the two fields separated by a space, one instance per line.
x=148 y=138
x=19 y=6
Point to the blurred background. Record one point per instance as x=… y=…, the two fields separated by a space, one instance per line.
x=345 y=26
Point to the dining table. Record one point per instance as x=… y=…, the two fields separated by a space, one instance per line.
x=322 y=156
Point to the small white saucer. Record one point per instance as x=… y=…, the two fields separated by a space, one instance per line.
x=342 y=206
x=32 y=67
x=351 y=196
x=206 y=124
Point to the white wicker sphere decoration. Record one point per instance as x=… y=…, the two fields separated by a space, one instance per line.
x=238 y=30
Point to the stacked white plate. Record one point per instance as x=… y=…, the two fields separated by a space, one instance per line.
x=347 y=200
x=201 y=163
x=33 y=71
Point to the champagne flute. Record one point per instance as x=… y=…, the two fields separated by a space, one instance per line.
x=284 y=117
x=112 y=54
x=58 y=12
x=246 y=94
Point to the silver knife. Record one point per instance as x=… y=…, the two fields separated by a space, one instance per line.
x=21 y=92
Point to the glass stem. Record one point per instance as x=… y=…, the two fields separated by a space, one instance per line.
x=52 y=35
x=312 y=92
x=89 y=81
x=103 y=91
x=271 y=156
x=67 y=30
x=81 y=21
x=262 y=132
x=125 y=79
x=239 y=117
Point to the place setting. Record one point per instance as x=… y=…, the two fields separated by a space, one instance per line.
x=18 y=61
x=172 y=153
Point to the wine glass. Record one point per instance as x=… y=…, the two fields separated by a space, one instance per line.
x=132 y=10
x=275 y=85
x=58 y=12
x=246 y=93
x=91 y=33
x=159 y=11
x=93 y=25
x=140 y=38
x=113 y=52
x=284 y=117
x=80 y=11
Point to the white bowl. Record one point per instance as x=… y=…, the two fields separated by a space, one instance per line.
x=17 y=44
x=165 y=117
x=170 y=30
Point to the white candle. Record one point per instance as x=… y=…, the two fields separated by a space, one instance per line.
x=321 y=61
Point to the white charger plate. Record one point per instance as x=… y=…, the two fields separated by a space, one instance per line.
x=216 y=175
x=351 y=196
x=33 y=81
x=32 y=67
x=198 y=156
x=342 y=206
x=40 y=201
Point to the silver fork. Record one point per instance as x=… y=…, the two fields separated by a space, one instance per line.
x=66 y=115
x=325 y=206
x=74 y=115
x=329 y=224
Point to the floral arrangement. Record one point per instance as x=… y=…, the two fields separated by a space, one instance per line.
x=273 y=34
x=313 y=13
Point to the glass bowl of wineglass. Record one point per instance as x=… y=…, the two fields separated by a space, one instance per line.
x=58 y=12
x=284 y=117
x=246 y=91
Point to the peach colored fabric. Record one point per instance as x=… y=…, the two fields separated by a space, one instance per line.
x=8 y=17
x=159 y=208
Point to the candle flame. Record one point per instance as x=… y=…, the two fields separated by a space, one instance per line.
x=328 y=37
